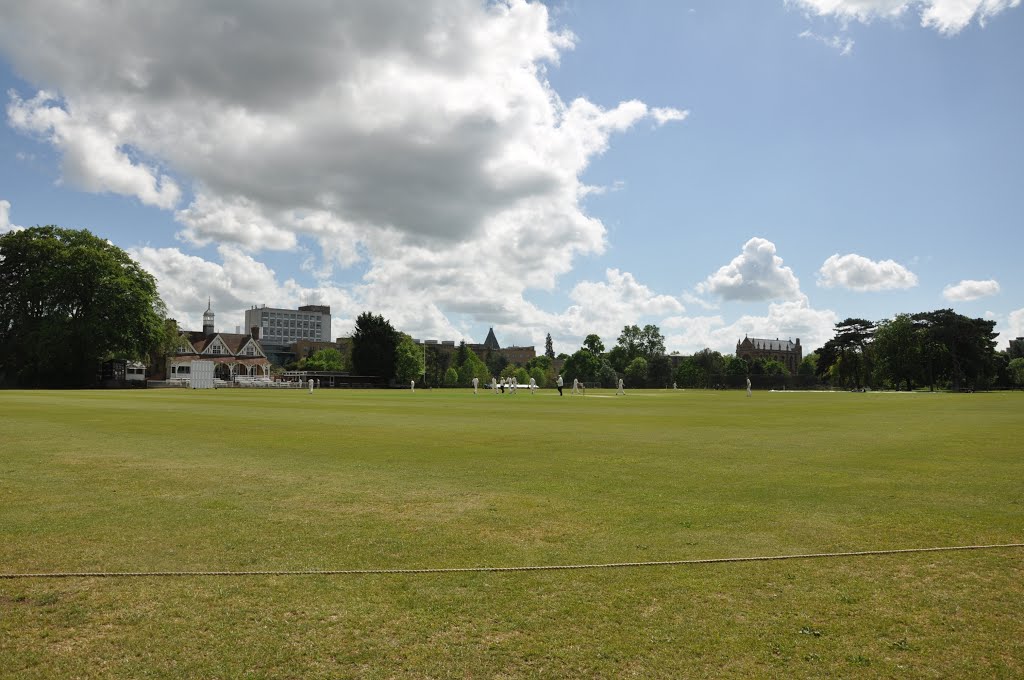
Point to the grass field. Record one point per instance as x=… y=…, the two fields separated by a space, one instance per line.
x=272 y=480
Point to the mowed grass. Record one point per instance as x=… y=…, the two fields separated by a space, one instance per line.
x=282 y=480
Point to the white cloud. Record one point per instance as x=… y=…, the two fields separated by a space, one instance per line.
x=844 y=46
x=1016 y=323
x=414 y=138
x=970 y=290
x=5 y=218
x=861 y=274
x=605 y=307
x=789 y=320
x=233 y=285
x=755 y=274
x=946 y=16
x=664 y=115
x=94 y=159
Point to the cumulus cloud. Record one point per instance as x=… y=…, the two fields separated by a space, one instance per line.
x=185 y=283
x=789 y=320
x=5 y=218
x=604 y=307
x=861 y=274
x=755 y=274
x=1016 y=323
x=93 y=158
x=410 y=137
x=970 y=290
x=946 y=16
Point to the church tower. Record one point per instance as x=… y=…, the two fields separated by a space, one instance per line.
x=208 y=318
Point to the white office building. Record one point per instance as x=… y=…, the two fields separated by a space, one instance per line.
x=285 y=326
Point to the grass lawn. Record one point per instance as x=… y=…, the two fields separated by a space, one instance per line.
x=279 y=480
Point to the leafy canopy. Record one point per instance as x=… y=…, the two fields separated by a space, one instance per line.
x=68 y=300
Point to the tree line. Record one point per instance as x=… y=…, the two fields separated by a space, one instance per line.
x=928 y=349
x=69 y=300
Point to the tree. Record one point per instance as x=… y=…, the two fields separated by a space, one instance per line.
x=473 y=367
x=957 y=348
x=583 y=365
x=897 y=349
x=594 y=344
x=633 y=342
x=1016 y=369
x=68 y=300
x=607 y=375
x=659 y=371
x=689 y=374
x=451 y=378
x=710 y=363
x=373 y=346
x=809 y=365
x=540 y=375
x=437 y=364
x=636 y=372
x=409 y=364
x=327 y=359
x=549 y=347
x=735 y=366
x=496 y=362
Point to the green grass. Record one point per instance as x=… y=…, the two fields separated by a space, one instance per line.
x=267 y=480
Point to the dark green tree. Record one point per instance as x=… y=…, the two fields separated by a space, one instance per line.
x=711 y=364
x=636 y=372
x=583 y=365
x=689 y=374
x=659 y=371
x=958 y=349
x=373 y=346
x=594 y=344
x=897 y=351
x=69 y=300
x=735 y=366
x=327 y=359
x=409 y=360
x=549 y=347
x=1016 y=371
x=496 y=362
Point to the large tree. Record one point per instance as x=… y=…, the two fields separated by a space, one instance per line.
x=326 y=359
x=897 y=350
x=409 y=359
x=594 y=344
x=69 y=300
x=633 y=342
x=373 y=346
x=584 y=365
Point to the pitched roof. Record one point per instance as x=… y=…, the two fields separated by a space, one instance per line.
x=765 y=343
x=491 y=342
x=233 y=342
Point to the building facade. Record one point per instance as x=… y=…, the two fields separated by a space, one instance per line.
x=287 y=326
x=789 y=353
x=236 y=356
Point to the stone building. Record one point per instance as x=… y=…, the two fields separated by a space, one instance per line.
x=789 y=353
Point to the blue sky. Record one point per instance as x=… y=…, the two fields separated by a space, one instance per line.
x=716 y=168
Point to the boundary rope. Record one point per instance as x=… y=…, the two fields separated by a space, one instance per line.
x=463 y=570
